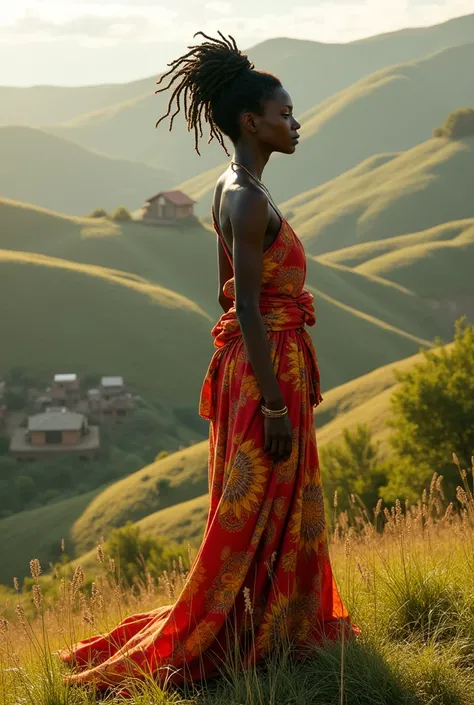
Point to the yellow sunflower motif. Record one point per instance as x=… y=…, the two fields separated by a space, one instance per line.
x=229 y=373
x=308 y=524
x=288 y=617
x=249 y=389
x=290 y=280
x=201 y=637
x=288 y=561
x=221 y=595
x=286 y=469
x=296 y=367
x=276 y=319
x=245 y=485
x=268 y=269
x=193 y=582
x=261 y=523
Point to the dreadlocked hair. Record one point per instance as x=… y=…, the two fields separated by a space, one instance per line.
x=217 y=82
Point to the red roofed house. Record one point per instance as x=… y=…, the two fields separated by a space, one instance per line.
x=168 y=207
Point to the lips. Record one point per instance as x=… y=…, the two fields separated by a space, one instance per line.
x=295 y=138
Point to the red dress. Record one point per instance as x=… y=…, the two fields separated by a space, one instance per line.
x=266 y=527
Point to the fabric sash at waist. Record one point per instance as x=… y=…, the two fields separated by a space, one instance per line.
x=278 y=313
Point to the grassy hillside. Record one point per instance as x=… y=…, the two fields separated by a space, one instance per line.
x=436 y=270
x=329 y=129
x=426 y=186
x=179 y=477
x=179 y=511
x=358 y=254
x=55 y=173
x=384 y=321
x=55 y=313
x=40 y=105
x=343 y=64
x=181 y=257
x=391 y=110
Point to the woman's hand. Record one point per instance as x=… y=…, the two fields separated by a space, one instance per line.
x=278 y=438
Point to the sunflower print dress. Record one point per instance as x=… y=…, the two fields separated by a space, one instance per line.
x=263 y=569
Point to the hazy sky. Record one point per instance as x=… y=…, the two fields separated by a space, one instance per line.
x=91 y=41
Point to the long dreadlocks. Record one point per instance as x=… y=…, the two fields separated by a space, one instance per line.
x=216 y=82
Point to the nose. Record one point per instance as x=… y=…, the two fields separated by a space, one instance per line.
x=296 y=124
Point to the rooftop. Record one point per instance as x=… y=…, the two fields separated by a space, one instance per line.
x=177 y=197
x=112 y=381
x=65 y=378
x=56 y=420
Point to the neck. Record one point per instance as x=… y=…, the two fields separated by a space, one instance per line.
x=251 y=159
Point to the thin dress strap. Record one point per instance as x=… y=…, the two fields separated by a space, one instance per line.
x=221 y=238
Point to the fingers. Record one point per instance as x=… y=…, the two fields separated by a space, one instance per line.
x=278 y=447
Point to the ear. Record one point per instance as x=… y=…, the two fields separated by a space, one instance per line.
x=248 y=122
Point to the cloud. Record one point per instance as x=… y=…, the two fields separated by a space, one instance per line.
x=219 y=6
x=115 y=21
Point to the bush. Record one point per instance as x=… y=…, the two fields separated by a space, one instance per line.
x=434 y=415
x=121 y=214
x=98 y=213
x=353 y=467
x=458 y=125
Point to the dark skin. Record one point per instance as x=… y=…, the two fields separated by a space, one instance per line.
x=249 y=225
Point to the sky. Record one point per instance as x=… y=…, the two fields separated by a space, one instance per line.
x=73 y=42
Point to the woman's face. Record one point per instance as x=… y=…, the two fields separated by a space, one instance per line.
x=277 y=128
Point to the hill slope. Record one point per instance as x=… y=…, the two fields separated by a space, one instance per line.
x=55 y=312
x=54 y=173
x=385 y=322
x=388 y=111
x=180 y=511
x=343 y=64
x=387 y=196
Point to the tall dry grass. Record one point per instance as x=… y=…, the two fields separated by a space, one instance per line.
x=406 y=573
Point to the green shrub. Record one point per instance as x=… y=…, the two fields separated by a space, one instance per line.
x=121 y=214
x=458 y=125
x=98 y=213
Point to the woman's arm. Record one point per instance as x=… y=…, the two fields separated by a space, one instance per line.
x=249 y=220
x=225 y=273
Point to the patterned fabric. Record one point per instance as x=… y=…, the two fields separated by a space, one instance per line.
x=265 y=529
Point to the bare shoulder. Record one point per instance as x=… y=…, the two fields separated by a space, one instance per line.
x=248 y=206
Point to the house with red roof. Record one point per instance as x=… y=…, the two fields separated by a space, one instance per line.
x=168 y=207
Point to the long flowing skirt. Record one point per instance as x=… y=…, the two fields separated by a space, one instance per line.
x=263 y=568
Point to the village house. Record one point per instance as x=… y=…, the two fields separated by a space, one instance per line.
x=53 y=432
x=65 y=390
x=167 y=207
x=111 y=399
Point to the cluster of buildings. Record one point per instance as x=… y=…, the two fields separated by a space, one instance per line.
x=61 y=422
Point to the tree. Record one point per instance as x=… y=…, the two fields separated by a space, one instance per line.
x=458 y=125
x=98 y=213
x=433 y=413
x=121 y=214
x=353 y=466
x=134 y=554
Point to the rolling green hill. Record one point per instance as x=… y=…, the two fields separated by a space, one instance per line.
x=385 y=322
x=391 y=110
x=170 y=496
x=343 y=64
x=56 y=312
x=387 y=196
x=55 y=173
x=337 y=133
x=358 y=254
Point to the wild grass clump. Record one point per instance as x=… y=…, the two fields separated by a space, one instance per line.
x=406 y=574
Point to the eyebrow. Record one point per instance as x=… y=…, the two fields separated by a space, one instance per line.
x=290 y=107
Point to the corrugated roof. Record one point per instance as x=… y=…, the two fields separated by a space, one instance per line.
x=62 y=420
x=65 y=378
x=112 y=381
x=177 y=197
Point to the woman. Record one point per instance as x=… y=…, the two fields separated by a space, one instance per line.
x=263 y=567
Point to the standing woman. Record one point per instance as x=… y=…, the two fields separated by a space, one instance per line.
x=263 y=569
